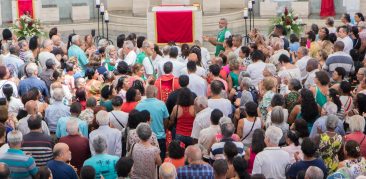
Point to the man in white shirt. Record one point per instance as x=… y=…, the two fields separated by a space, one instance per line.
x=147 y=48
x=177 y=66
x=202 y=119
x=255 y=70
x=128 y=50
x=216 y=101
x=302 y=55
x=165 y=58
x=208 y=134
x=200 y=71
x=344 y=37
x=47 y=47
x=272 y=161
x=197 y=84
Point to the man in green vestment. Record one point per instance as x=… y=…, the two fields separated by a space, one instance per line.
x=222 y=34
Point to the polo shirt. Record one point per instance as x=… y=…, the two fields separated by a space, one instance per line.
x=33 y=82
x=61 y=170
x=21 y=166
x=271 y=162
x=39 y=146
x=61 y=127
x=77 y=52
x=158 y=113
x=104 y=165
x=218 y=148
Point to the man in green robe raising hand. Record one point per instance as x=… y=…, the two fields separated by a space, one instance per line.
x=222 y=34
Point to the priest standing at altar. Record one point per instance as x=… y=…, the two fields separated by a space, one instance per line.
x=327 y=8
x=221 y=36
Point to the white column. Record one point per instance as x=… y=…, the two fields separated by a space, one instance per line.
x=140 y=7
x=1 y=19
x=211 y=6
x=14 y=11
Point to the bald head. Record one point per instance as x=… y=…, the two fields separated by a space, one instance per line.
x=4 y=170
x=31 y=107
x=193 y=153
x=193 y=57
x=338 y=46
x=151 y=91
x=61 y=152
x=167 y=171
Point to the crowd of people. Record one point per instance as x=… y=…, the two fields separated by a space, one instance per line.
x=272 y=108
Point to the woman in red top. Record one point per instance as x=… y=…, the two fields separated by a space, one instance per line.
x=257 y=146
x=133 y=96
x=81 y=97
x=357 y=126
x=183 y=114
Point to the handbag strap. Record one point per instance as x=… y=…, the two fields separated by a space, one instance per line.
x=117 y=120
x=362 y=139
x=250 y=130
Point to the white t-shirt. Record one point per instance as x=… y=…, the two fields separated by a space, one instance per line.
x=302 y=63
x=3 y=83
x=348 y=44
x=255 y=71
x=44 y=56
x=293 y=73
x=130 y=59
x=224 y=105
x=161 y=66
x=149 y=69
x=177 y=67
x=197 y=84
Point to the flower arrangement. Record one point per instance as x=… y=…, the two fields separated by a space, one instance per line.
x=25 y=26
x=291 y=22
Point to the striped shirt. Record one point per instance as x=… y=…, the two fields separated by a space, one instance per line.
x=39 y=146
x=21 y=166
x=204 y=171
x=339 y=59
x=217 y=149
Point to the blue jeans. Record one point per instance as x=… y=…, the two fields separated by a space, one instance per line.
x=162 y=146
x=187 y=140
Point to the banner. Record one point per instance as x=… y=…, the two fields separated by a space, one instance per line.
x=174 y=26
x=25 y=7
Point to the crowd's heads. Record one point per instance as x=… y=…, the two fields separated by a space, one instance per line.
x=314 y=172
x=4 y=170
x=308 y=147
x=220 y=167
x=87 y=172
x=35 y=122
x=168 y=67
x=192 y=154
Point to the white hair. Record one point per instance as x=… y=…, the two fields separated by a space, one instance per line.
x=46 y=43
x=274 y=134
x=102 y=118
x=58 y=94
x=72 y=126
x=271 y=68
x=201 y=101
x=246 y=81
x=31 y=69
x=356 y=123
x=75 y=38
x=167 y=171
x=314 y=172
x=15 y=137
x=146 y=44
x=332 y=121
x=103 y=43
x=331 y=108
x=108 y=49
x=276 y=41
x=128 y=44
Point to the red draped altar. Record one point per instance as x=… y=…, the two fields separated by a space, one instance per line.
x=327 y=8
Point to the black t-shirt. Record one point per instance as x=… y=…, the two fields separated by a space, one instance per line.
x=304 y=165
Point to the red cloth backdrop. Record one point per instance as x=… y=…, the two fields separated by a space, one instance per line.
x=327 y=8
x=25 y=6
x=174 y=26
